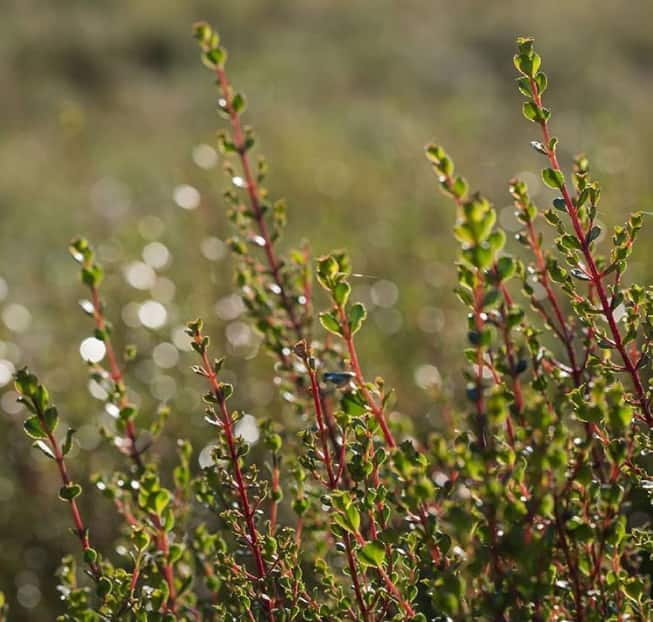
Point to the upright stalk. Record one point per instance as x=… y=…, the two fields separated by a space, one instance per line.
x=246 y=506
x=595 y=276
x=377 y=410
x=116 y=375
x=252 y=190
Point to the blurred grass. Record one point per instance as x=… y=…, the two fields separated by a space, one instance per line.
x=104 y=102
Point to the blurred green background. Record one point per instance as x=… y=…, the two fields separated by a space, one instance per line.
x=108 y=130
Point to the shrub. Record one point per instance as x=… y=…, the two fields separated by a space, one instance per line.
x=519 y=511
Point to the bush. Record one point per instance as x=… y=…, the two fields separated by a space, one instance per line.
x=524 y=509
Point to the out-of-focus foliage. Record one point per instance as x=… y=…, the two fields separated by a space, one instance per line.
x=108 y=129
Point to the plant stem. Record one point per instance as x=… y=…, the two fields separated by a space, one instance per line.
x=243 y=496
x=332 y=478
x=164 y=548
x=116 y=375
x=392 y=588
x=575 y=579
x=274 y=509
x=595 y=276
x=319 y=415
x=360 y=380
x=253 y=193
x=80 y=528
x=566 y=337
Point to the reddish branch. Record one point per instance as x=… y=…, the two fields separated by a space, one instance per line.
x=118 y=380
x=116 y=374
x=563 y=329
x=449 y=183
x=254 y=198
x=301 y=350
x=360 y=380
x=80 y=529
x=164 y=547
x=596 y=277
x=391 y=587
x=243 y=496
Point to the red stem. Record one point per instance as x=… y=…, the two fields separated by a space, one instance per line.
x=516 y=384
x=333 y=478
x=360 y=380
x=164 y=546
x=80 y=528
x=116 y=375
x=245 y=505
x=595 y=276
x=550 y=294
x=354 y=577
x=252 y=191
x=572 y=567
x=319 y=415
x=392 y=588
x=275 y=506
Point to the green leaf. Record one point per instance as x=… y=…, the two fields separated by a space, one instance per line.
x=26 y=383
x=68 y=442
x=214 y=58
x=41 y=398
x=80 y=250
x=553 y=179
x=127 y=413
x=341 y=293
x=33 y=428
x=459 y=187
x=90 y=556
x=372 y=554
x=528 y=64
x=524 y=86
x=330 y=323
x=103 y=587
x=542 y=82
x=338 y=519
x=51 y=417
x=70 y=491
x=158 y=501
x=594 y=233
x=620 y=417
x=531 y=112
x=227 y=390
x=559 y=204
x=353 y=404
x=496 y=240
x=92 y=276
x=352 y=517
x=356 y=316
x=491 y=298
x=238 y=103
x=327 y=272
x=505 y=268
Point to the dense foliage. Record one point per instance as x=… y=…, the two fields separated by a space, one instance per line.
x=519 y=511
